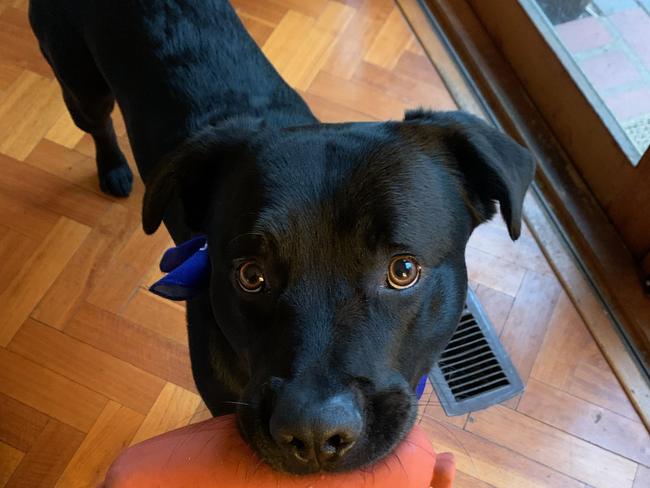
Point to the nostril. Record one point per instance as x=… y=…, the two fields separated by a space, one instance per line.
x=338 y=444
x=297 y=443
x=298 y=448
x=335 y=441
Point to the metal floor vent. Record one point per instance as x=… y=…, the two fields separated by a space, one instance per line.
x=474 y=371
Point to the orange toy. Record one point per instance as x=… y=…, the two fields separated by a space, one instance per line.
x=212 y=454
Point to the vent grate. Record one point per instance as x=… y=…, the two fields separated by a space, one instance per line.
x=474 y=371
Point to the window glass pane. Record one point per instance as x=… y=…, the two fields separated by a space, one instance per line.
x=608 y=41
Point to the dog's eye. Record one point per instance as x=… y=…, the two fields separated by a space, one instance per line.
x=250 y=277
x=403 y=272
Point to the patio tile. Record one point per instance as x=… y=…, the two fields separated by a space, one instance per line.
x=634 y=26
x=638 y=131
x=629 y=104
x=645 y=4
x=608 y=7
x=609 y=69
x=583 y=34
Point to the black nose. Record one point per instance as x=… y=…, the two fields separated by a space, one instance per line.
x=316 y=434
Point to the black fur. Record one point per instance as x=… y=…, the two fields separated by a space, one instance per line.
x=226 y=148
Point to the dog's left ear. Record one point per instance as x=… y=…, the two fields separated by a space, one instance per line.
x=191 y=171
x=492 y=166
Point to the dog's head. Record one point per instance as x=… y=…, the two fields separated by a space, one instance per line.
x=338 y=270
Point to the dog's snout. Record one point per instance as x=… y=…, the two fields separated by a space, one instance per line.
x=316 y=435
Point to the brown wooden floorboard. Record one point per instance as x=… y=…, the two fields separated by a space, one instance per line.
x=74 y=266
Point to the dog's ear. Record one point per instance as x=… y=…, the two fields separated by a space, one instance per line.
x=492 y=166
x=190 y=171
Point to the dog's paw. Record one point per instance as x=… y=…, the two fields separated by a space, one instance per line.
x=117 y=181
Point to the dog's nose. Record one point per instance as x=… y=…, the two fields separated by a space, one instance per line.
x=317 y=434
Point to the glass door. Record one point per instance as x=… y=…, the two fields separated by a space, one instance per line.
x=586 y=66
x=605 y=45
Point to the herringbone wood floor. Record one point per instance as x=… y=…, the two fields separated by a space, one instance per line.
x=91 y=362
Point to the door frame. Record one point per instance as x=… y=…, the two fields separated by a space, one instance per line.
x=581 y=123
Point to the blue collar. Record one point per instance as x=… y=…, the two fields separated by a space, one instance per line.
x=419 y=390
x=188 y=274
x=188 y=270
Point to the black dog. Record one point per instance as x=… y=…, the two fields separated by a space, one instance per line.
x=337 y=250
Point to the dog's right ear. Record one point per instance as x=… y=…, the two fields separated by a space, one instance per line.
x=491 y=166
x=190 y=171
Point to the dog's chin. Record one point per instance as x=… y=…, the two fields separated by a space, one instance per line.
x=388 y=421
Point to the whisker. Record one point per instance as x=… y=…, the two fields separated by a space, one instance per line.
x=185 y=421
x=208 y=441
x=402 y=465
x=245 y=404
x=419 y=447
x=450 y=432
x=257 y=466
x=427 y=403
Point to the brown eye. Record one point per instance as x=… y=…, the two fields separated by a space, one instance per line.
x=250 y=277
x=403 y=272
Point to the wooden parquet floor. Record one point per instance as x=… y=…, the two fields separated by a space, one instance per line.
x=90 y=362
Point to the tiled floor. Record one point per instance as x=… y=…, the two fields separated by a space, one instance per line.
x=610 y=42
x=91 y=362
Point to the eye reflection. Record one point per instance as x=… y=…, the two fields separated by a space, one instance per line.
x=250 y=277
x=403 y=272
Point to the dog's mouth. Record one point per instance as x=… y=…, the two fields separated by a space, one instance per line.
x=385 y=419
